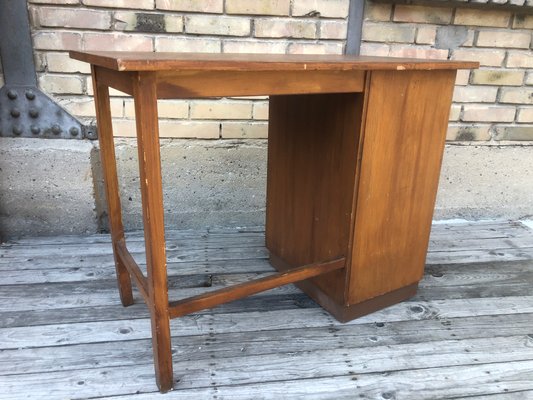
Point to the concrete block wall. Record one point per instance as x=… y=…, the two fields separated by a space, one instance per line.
x=488 y=167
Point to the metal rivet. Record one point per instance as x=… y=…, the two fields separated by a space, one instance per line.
x=17 y=130
x=30 y=95
x=33 y=113
x=15 y=113
x=35 y=129
x=56 y=129
x=12 y=94
x=74 y=131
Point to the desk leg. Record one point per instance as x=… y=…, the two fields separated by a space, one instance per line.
x=109 y=167
x=145 y=97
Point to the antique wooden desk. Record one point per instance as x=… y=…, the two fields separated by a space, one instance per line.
x=354 y=153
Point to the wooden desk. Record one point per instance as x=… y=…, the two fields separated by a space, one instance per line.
x=354 y=153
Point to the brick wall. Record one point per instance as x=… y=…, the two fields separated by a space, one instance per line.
x=269 y=26
x=492 y=105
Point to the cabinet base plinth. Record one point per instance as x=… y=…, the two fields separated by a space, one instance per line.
x=347 y=313
x=343 y=313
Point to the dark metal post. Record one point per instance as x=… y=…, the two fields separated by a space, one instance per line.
x=355 y=26
x=24 y=109
x=15 y=44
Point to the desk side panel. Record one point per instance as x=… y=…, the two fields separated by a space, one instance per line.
x=404 y=134
x=312 y=153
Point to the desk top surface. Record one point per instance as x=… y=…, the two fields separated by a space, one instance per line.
x=148 y=61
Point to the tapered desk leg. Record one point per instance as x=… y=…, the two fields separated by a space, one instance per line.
x=109 y=166
x=145 y=96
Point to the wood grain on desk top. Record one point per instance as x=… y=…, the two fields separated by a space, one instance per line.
x=148 y=61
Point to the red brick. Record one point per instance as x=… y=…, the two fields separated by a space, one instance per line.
x=506 y=38
x=214 y=25
x=254 y=46
x=258 y=7
x=488 y=113
x=204 y=6
x=315 y=48
x=57 y=41
x=326 y=8
x=72 y=18
x=117 y=42
x=61 y=62
x=475 y=94
x=290 y=28
x=468 y=133
x=473 y=17
x=61 y=84
x=187 y=44
x=374 y=49
x=383 y=32
x=491 y=58
x=418 y=52
x=431 y=15
x=137 y=4
x=333 y=29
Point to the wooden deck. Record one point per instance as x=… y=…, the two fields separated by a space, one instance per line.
x=467 y=334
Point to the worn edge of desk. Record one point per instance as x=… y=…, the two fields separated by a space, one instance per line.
x=150 y=61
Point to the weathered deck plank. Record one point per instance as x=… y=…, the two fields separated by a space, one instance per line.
x=414 y=383
x=467 y=333
x=256 y=343
x=440 y=282
x=64 y=334
x=434 y=383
